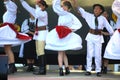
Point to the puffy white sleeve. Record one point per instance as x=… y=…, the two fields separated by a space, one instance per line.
x=84 y=13
x=39 y=13
x=10 y=6
x=24 y=26
x=76 y=24
x=57 y=7
x=108 y=26
x=28 y=8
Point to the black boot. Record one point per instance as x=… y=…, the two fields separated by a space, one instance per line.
x=67 y=71
x=104 y=70
x=12 y=68
x=42 y=66
x=61 y=73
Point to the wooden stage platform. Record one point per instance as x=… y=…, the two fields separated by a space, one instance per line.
x=53 y=75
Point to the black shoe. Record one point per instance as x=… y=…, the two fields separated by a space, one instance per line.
x=28 y=69
x=88 y=73
x=61 y=73
x=67 y=71
x=98 y=74
x=32 y=69
x=12 y=69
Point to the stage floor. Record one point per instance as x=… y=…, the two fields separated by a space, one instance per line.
x=53 y=75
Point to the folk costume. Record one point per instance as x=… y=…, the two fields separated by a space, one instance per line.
x=9 y=36
x=112 y=50
x=40 y=34
x=62 y=37
x=28 y=49
x=94 y=38
x=106 y=37
x=8 y=33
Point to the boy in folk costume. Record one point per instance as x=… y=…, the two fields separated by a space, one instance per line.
x=94 y=38
x=9 y=36
x=112 y=50
x=41 y=15
x=62 y=36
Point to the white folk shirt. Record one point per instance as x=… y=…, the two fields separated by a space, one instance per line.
x=8 y=35
x=102 y=23
x=42 y=17
x=65 y=17
x=10 y=14
x=53 y=42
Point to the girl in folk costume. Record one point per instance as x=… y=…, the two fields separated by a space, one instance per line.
x=8 y=34
x=41 y=15
x=28 y=49
x=62 y=37
x=112 y=50
x=94 y=38
x=106 y=37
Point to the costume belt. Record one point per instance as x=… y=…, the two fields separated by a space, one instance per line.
x=41 y=28
x=95 y=31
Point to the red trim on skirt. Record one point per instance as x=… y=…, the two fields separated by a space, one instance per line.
x=18 y=35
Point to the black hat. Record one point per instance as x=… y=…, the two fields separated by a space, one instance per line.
x=102 y=8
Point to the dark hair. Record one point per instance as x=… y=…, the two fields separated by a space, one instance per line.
x=44 y=3
x=68 y=4
x=12 y=0
x=101 y=7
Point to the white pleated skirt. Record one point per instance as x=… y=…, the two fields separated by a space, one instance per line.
x=8 y=37
x=71 y=42
x=113 y=47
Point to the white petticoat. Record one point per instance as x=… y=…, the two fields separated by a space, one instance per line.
x=113 y=48
x=8 y=36
x=70 y=42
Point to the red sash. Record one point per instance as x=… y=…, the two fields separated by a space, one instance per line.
x=62 y=31
x=18 y=35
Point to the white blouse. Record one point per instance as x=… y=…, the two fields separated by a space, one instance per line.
x=42 y=16
x=66 y=18
x=10 y=14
